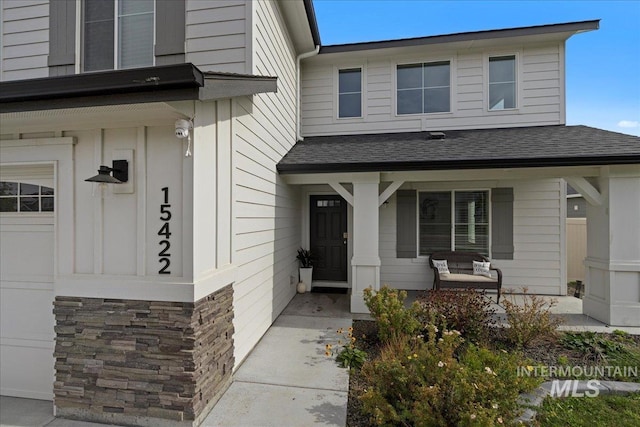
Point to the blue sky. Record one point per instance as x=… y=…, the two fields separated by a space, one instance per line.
x=602 y=67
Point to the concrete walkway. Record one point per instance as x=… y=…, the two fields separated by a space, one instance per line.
x=287 y=380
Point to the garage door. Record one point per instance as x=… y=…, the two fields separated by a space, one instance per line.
x=26 y=285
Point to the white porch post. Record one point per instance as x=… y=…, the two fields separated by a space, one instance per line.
x=613 y=249
x=365 y=263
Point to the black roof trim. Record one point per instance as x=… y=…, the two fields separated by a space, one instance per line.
x=103 y=83
x=456 y=164
x=140 y=85
x=313 y=23
x=466 y=36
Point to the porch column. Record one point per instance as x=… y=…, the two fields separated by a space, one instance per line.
x=613 y=249
x=365 y=263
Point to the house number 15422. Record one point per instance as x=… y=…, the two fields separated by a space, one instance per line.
x=165 y=233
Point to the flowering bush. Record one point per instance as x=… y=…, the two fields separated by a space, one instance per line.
x=347 y=354
x=419 y=381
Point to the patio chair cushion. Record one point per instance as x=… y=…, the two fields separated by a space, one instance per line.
x=456 y=277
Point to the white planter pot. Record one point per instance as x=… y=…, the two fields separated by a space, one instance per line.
x=305 y=276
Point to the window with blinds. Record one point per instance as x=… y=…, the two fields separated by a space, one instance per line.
x=453 y=220
x=117 y=34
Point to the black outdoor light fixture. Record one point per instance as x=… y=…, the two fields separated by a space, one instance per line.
x=120 y=171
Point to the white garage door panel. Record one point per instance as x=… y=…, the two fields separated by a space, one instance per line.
x=24 y=370
x=26 y=314
x=26 y=305
x=26 y=251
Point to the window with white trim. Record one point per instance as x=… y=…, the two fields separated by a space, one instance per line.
x=350 y=93
x=117 y=34
x=22 y=197
x=502 y=82
x=453 y=220
x=423 y=88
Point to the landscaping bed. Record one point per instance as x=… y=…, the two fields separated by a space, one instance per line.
x=535 y=348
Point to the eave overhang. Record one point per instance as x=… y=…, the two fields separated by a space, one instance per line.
x=178 y=82
x=564 y=30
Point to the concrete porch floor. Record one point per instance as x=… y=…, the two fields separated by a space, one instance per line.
x=569 y=307
x=287 y=380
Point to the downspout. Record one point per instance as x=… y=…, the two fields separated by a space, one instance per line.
x=298 y=90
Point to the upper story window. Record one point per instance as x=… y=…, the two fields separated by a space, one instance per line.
x=350 y=93
x=424 y=88
x=117 y=34
x=502 y=82
x=21 y=197
x=459 y=226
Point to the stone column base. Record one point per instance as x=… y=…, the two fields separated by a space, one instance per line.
x=142 y=363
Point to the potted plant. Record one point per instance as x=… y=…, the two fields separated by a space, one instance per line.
x=305 y=270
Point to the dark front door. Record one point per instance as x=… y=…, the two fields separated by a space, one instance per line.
x=328 y=237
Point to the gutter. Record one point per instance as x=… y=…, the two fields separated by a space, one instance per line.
x=299 y=58
x=308 y=168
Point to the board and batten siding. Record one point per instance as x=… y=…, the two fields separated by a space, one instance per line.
x=538 y=261
x=24 y=41
x=217 y=35
x=267 y=225
x=540 y=93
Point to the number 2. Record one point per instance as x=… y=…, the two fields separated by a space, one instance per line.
x=167 y=263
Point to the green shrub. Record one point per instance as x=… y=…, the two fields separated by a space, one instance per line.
x=347 y=354
x=467 y=311
x=529 y=321
x=388 y=310
x=616 y=349
x=418 y=381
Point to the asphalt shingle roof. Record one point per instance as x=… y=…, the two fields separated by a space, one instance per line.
x=462 y=149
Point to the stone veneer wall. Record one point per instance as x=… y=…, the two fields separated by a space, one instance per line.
x=144 y=363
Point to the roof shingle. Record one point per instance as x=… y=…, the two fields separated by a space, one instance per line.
x=462 y=149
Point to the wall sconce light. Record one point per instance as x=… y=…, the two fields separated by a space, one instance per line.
x=120 y=172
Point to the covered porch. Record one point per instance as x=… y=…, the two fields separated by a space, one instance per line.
x=517 y=174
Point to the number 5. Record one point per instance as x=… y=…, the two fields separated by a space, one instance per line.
x=164 y=210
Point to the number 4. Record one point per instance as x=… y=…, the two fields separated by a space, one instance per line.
x=164 y=231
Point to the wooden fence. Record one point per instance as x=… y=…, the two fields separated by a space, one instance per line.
x=576 y=248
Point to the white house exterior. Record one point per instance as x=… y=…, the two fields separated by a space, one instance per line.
x=162 y=288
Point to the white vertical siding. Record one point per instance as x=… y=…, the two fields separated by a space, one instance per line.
x=537 y=262
x=216 y=32
x=25 y=39
x=540 y=99
x=267 y=214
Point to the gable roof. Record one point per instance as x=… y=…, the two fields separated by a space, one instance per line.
x=568 y=28
x=462 y=149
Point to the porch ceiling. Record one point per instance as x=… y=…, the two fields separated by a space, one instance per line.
x=509 y=148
